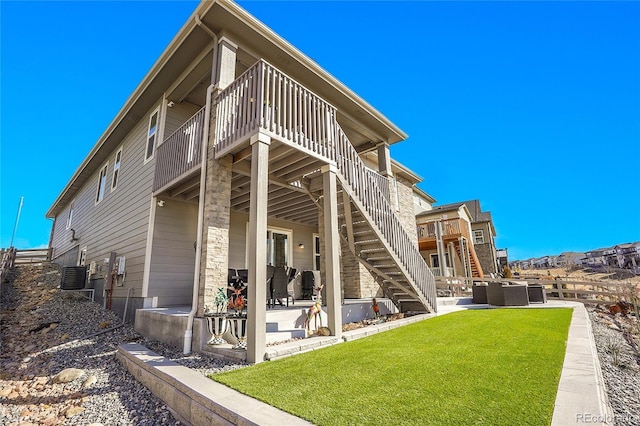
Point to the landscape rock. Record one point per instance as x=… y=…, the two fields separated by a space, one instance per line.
x=91 y=380
x=73 y=411
x=68 y=375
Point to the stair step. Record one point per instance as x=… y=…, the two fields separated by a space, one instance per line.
x=368 y=241
x=373 y=250
x=373 y=259
x=383 y=265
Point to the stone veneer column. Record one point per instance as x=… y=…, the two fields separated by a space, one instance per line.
x=405 y=211
x=215 y=239
x=217 y=200
x=357 y=281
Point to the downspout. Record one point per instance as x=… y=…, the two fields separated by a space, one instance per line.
x=188 y=333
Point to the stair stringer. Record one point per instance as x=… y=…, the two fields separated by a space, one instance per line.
x=414 y=292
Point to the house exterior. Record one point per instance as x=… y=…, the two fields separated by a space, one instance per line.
x=629 y=256
x=595 y=258
x=445 y=241
x=232 y=136
x=469 y=239
x=502 y=257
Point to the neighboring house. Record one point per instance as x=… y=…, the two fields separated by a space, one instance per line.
x=446 y=242
x=629 y=256
x=469 y=231
x=502 y=257
x=569 y=259
x=233 y=136
x=594 y=258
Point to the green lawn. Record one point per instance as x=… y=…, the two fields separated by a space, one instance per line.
x=492 y=367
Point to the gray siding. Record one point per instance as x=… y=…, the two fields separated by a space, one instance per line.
x=173 y=254
x=177 y=116
x=119 y=223
x=70 y=258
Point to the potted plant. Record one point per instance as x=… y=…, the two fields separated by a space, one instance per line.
x=217 y=321
x=238 y=320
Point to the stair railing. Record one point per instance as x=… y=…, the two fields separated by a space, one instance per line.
x=367 y=188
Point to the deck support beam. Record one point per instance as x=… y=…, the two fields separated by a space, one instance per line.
x=257 y=261
x=384 y=160
x=332 y=250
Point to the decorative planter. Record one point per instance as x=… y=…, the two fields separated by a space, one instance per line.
x=239 y=330
x=217 y=325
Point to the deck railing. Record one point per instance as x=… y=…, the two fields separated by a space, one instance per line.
x=180 y=153
x=266 y=98
x=450 y=227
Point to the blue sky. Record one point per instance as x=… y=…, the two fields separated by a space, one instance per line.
x=531 y=107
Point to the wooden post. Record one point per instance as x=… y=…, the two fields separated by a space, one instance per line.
x=559 y=286
x=257 y=259
x=331 y=248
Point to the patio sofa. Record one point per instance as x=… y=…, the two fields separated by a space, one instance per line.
x=507 y=294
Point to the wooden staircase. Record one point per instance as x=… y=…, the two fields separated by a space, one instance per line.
x=370 y=250
x=476 y=268
x=375 y=235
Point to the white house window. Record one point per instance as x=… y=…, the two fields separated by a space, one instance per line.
x=316 y=252
x=478 y=236
x=116 y=169
x=102 y=182
x=70 y=217
x=152 y=135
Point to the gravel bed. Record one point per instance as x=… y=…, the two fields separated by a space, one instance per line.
x=615 y=338
x=85 y=337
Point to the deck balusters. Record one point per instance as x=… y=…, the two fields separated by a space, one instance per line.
x=181 y=152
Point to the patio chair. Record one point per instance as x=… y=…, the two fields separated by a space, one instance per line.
x=479 y=293
x=280 y=286
x=232 y=275
x=308 y=284
x=536 y=293
x=500 y=294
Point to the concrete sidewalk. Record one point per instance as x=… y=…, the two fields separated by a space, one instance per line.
x=197 y=400
x=582 y=395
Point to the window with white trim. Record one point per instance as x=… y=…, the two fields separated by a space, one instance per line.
x=116 y=169
x=152 y=135
x=279 y=243
x=102 y=182
x=478 y=236
x=70 y=216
